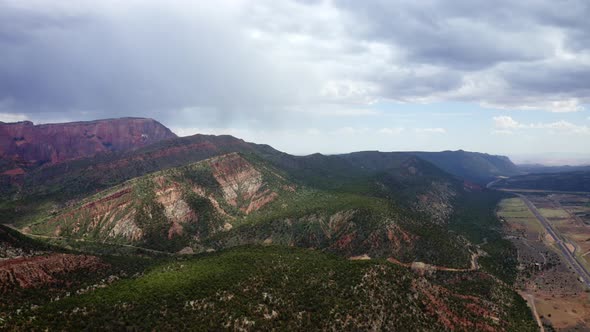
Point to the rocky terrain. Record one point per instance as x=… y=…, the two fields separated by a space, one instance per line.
x=24 y=145
x=214 y=231
x=236 y=199
x=28 y=266
x=178 y=205
x=44 y=270
x=14 y=245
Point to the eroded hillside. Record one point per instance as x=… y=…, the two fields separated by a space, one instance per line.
x=236 y=199
x=431 y=257
x=169 y=209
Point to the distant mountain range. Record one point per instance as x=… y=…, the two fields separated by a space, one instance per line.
x=473 y=166
x=578 y=181
x=538 y=168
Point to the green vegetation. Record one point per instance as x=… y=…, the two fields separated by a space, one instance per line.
x=382 y=205
x=347 y=224
x=380 y=223
x=554 y=213
x=137 y=197
x=306 y=201
x=515 y=210
x=476 y=219
x=578 y=181
x=379 y=218
x=266 y=288
x=150 y=218
x=73 y=283
x=47 y=188
x=473 y=166
x=10 y=238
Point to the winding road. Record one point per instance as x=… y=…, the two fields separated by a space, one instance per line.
x=154 y=251
x=569 y=256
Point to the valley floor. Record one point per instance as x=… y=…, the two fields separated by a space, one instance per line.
x=547 y=280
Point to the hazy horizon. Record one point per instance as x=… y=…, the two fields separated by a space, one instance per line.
x=547 y=159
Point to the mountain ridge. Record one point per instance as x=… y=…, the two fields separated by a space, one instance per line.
x=477 y=167
x=574 y=181
x=236 y=199
x=185 y=201
x=24 y=145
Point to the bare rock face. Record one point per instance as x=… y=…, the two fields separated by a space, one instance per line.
x=242 y=185
x=29 y=144
x=161 y=202
x=32 y=272
x=176 y=210
x=112 y=214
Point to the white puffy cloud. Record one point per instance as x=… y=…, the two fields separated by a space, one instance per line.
x=506 y=124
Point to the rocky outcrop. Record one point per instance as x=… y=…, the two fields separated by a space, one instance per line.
x=29 y=144
x=176 y=209
x=111 y=215
x=32 y=272
x=452 y=310
x=190 y=203
x=242 y=185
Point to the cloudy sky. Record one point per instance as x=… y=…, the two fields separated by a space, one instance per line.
x=509 y=77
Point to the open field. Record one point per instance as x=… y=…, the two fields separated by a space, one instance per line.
x=567 y=213
x=549 y=284
x=564 y=311
x=554 y=213
x=520 y=217
x=578 y=206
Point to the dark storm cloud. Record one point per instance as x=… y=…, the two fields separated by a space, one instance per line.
x=566 y=78
x=538 y=47
x=464 y=35
x=199 y=64
x=107 y=62
x=411 y=84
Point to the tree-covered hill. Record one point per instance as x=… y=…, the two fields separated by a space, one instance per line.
x=278 y=288
x=563 y=181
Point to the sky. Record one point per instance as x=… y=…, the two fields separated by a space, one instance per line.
x=503 y=77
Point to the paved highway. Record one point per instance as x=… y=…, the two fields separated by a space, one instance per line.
x=569 y=256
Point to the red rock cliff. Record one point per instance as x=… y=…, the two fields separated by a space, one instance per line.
x=53 y=143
